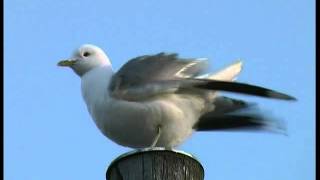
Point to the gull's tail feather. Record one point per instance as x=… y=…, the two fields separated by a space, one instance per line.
x=246 y=120
x=227 y=74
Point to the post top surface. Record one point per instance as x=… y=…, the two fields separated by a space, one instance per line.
x=150 y=150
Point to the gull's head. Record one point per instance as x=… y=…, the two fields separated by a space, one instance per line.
x=86 y=58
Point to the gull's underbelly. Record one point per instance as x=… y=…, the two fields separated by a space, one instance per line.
x=135 y=124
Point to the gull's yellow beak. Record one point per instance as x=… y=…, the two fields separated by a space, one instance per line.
x=67 y=63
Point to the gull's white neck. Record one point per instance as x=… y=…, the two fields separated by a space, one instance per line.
x=94 y=85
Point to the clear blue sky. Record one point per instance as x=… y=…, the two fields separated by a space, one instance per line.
x=48 y=133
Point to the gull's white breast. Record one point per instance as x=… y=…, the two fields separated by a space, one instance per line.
x=135 y=124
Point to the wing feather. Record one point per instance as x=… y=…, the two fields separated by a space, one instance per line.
x=148 y=76
x=152 y=70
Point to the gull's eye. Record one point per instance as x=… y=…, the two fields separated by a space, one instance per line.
x=86 y=54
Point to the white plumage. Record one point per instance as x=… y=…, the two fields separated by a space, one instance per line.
x=162 y=109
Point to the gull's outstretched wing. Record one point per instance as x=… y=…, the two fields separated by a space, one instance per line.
x=236 y=115
x=148 y=76
x=154 y=73
x=251 y=120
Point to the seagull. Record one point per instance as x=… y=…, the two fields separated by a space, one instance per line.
x=160 y=100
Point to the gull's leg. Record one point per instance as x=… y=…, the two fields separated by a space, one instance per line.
x=157 y=137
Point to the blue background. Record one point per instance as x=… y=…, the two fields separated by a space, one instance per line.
x=48 y=133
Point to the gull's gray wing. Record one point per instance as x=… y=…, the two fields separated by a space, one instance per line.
x=148 y=76
x=154 y=73
x=252 y=120
x=237 y=115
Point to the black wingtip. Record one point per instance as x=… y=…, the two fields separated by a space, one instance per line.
x=244 y=88
x=282 y=96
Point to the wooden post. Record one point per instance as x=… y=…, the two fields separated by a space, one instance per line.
x=155 y=164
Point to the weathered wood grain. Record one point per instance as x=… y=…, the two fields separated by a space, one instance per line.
x=155 y=164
